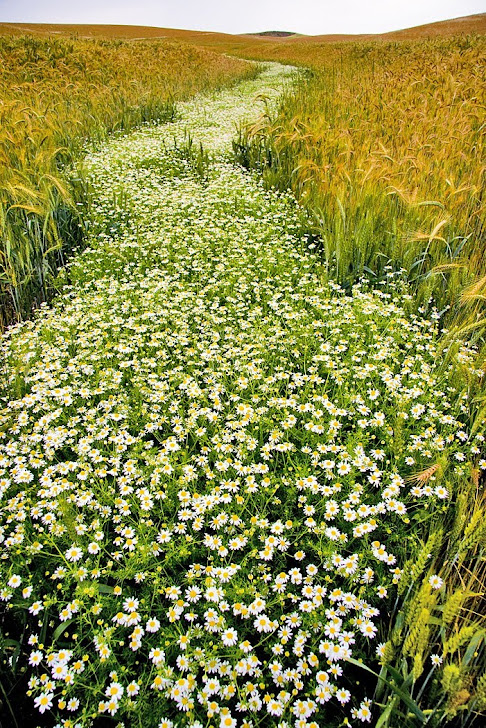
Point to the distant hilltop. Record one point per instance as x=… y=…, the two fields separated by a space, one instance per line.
x=275 y=33
x=469 y=24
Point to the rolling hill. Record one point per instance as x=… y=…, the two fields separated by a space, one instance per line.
x=469 y=24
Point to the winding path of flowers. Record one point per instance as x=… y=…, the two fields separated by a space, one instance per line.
x=204 y=450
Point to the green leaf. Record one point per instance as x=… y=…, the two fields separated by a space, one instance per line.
x=105 y=589
x=380 y=687
x=409 y=702
x=11 y=643
x=396 y=675
x=473 y=646
x=383 y=720
x=60 y=629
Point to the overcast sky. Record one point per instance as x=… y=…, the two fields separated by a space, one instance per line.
x=313 y=17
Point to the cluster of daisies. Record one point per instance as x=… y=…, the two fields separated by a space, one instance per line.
x=205 y=452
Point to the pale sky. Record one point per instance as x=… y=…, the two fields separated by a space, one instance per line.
x=312 y=17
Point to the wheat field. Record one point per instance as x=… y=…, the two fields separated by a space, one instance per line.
x=55 y=94
x=383 y=143
x=385 y=146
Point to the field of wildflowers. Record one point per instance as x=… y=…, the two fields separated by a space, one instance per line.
x=215 y=463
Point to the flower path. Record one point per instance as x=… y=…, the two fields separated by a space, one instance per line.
x=205 y=447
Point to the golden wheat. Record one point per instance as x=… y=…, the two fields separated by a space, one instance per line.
x=385 y=146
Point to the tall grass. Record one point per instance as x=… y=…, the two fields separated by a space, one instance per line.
x=384 y=145
x=433 y=660
x=55 y=94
